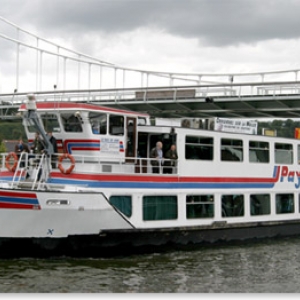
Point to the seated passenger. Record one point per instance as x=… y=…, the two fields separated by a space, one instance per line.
x=95 y=129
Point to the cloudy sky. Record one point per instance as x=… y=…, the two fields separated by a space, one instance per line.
x=209 y=36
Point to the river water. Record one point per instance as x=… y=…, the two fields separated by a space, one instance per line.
x=271 y=266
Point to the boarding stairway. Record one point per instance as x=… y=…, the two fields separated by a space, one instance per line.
x=32 y=171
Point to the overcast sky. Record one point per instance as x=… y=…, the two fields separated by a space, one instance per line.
x=210 y=36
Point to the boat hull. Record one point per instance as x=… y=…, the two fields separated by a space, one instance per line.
x=136 y=241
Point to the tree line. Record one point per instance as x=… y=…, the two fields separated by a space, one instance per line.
x=284 y=128
x=11 y=130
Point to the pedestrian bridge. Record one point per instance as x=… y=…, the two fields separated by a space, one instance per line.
x=55 y=73
x=245 y=100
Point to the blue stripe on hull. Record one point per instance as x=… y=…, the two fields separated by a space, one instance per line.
x=166 y=185
x=18 y=200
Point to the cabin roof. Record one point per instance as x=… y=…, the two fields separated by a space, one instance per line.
x=81 y=106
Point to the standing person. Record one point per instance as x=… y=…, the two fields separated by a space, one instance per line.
x=19 y=148
x=52 y=140
x=38 y=148
x=37 y=145
x=170 y=164
x=157 y=154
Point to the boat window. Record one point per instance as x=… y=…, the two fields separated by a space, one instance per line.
x=199 y=147
x=231 y=150
x=283 y=153
x=199 y=206
x=57 y=202
x=142 y=121
x=284 y=203
x=98 y=122
x=50 y=122
x=298 y=154
x=71 y=122
x=122 y=203
x=259 y=152
x=260 y=204
x=116 y=125
x=159 y=208
x=232 y=205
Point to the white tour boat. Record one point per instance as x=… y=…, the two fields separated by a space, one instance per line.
x=98 y=194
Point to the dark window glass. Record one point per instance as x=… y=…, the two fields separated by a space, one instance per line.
x=159 y=208
x=122 y=203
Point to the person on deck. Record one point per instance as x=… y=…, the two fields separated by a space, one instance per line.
x=52 y=140
x=172 y=157
x=37 y=145
x=157 y=156
x=19 y=148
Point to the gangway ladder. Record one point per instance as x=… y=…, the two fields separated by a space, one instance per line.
x=19 y=172
x=42 y=169
x=42 y=172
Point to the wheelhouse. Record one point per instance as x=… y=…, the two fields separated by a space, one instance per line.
x=84 y=129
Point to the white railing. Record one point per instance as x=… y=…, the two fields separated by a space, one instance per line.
x=94 y=164
x=152 y=94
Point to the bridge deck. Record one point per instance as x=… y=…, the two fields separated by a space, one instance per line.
x=244 y=100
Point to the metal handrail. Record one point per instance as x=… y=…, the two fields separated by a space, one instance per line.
x=113 y=95
x=122 y=162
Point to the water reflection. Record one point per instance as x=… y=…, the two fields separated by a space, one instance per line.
x=272 y=266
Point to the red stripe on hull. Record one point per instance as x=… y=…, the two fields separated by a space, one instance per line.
x=129 y=178
x=147 y=178
x=18 y=206
x=18 y=194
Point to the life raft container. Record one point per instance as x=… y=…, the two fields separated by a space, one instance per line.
x=72 y=160
x=10 y=167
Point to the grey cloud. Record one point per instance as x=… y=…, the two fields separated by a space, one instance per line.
x=214 y=22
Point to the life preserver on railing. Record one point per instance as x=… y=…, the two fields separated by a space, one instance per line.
x=10 y=167
x=61 y=168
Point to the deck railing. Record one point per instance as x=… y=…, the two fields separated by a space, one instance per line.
x=101 y=165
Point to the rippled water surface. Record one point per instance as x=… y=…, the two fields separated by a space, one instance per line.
x=272 y=266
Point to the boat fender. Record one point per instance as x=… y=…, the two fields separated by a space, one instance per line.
x=10 y=167
x=61 y=168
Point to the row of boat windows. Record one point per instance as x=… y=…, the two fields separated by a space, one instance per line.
x=100 y=123
x=203 y=206
x=202 y=148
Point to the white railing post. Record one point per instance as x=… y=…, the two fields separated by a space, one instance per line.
x=64 y=73
x=171 y=80
x=89 y=76
x=57 y=67
x=100 y=77
x=41 y=70
x=79 y=72
x=17 y=61
x=37 y=65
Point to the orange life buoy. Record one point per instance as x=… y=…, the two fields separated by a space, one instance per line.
x=61 y=168
x=10 y=167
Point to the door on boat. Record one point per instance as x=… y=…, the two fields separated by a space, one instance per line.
x=131 y=139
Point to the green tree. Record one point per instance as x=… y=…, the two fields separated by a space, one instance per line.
x=2 y=148
x=12 y=130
